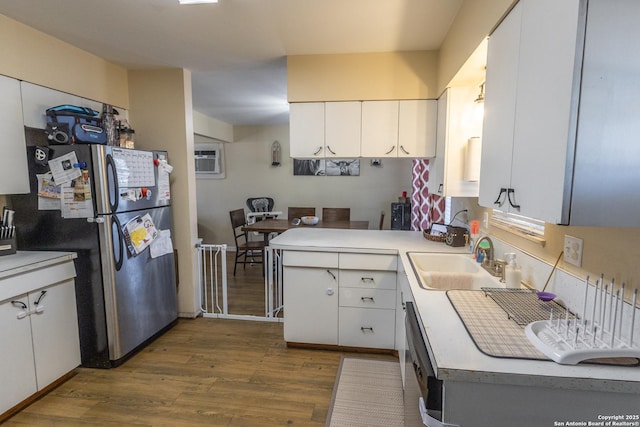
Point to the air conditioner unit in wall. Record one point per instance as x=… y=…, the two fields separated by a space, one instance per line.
x=209 y=160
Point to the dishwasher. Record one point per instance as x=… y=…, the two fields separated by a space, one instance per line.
x=423 y=391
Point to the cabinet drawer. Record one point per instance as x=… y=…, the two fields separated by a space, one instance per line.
x=369 y=262
x=361 y=327
x=310 y=259
x=368 y=279
x=367 y=298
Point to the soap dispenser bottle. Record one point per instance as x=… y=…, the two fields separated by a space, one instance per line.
x=512 y=272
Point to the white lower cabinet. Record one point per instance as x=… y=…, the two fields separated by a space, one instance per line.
x=344 y=299
x=42 y=329
x=16 y=358
x=366 y=327
x=310 y=297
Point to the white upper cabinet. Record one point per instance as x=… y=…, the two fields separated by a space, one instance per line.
x=459 y=120
x=417 y=128
x=342 y=129
x=529 y=109
x=379 y=129
x=14 y=176
x=306 y=130
x=561 y=113
x=363 y=129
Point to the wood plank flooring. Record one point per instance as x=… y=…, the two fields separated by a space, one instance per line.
x=202 y=372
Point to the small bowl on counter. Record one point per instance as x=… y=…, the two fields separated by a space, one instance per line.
x=310 y=220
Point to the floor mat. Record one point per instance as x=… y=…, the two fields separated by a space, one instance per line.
x=367 y=393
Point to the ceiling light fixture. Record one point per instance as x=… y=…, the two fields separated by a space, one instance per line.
x=196 y=1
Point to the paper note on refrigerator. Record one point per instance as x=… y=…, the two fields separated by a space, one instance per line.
x=162 y=245
x=63 y=170
x=139 y=232
x=48 y=193
x=76 y=197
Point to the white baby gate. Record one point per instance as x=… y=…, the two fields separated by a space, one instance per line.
x=214 y=302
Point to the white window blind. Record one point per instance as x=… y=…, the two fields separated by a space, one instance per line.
x=519 y=224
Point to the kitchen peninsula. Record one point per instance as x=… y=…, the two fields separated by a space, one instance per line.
x=478 y=390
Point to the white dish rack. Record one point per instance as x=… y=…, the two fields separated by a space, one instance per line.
x=601 y=331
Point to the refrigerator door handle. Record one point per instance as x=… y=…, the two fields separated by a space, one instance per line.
x=119 y=258
x=116 y=193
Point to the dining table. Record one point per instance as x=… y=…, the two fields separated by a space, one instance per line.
x=274 y=225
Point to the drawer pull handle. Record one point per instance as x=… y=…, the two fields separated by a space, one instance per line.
x=367 y=279
x=365 y=299
x=332 y=275
x=366 y=328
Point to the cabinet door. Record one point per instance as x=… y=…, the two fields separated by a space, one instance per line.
x=311 y=305
x=306 y=130
x=54 y=324
x=436 y=165
x=417 y=128
x=342 y=129
x=544 y=105
x=14 y=176
x=499 y=109
x=379 y=129
x=16 y=358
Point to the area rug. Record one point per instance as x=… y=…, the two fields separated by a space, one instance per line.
x=367 y=393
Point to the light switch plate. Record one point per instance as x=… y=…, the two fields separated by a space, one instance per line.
x=573 y=250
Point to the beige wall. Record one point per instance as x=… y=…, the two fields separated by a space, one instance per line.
x=212 y=128
x=249 y=174
x=161 y=113
x=474 y=22
x=36 y=57
x=366 y=76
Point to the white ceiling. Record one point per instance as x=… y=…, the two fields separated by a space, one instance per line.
x=236 y=49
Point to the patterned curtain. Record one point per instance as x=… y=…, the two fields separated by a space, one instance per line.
x=426 y=208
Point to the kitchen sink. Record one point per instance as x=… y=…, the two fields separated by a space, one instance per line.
x=450 y=271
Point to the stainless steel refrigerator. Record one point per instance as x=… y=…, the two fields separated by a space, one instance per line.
x=125 y=296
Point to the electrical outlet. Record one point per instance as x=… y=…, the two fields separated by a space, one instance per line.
x=573 y=250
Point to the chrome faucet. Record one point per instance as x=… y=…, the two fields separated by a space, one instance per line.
x=488 y=257
x=494 y=266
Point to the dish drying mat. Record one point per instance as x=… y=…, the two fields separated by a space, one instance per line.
x=496 y=332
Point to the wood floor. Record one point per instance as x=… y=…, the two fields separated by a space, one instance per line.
x=202 y=372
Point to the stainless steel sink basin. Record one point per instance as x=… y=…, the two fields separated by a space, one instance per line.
x=449 y=271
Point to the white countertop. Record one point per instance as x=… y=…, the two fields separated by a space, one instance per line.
x=24 y=261
x=455 y=356
x=372 y=241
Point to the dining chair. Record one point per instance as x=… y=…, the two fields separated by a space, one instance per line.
x=247 y=251
x=336 y=214
x=300 y=212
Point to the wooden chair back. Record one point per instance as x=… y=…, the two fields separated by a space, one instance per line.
x=336 y=214
x=238 y=220
x=300 y=212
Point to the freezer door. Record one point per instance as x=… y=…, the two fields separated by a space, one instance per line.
x=128 y=180
x=140 y=291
